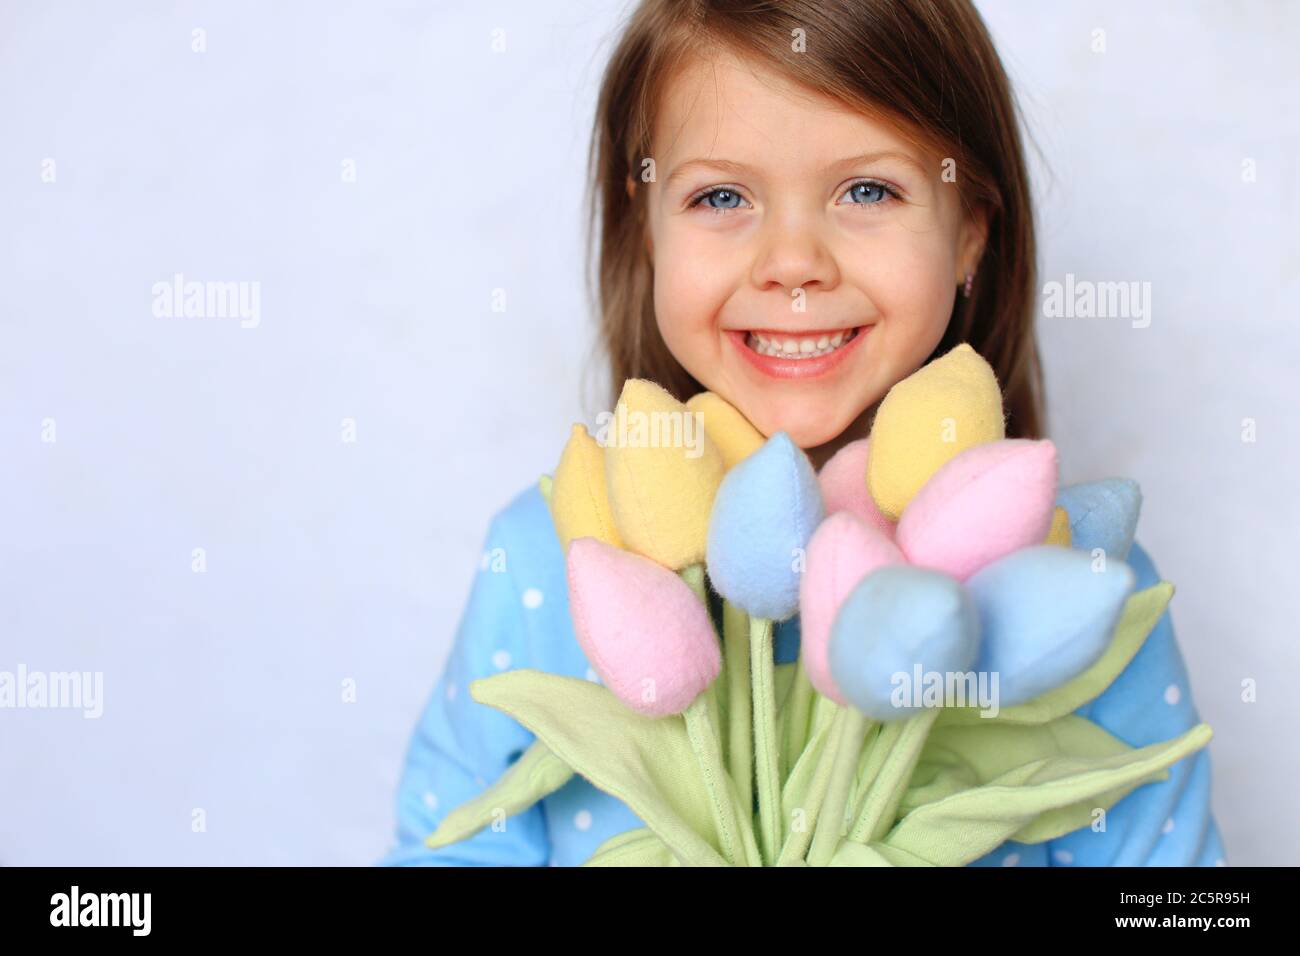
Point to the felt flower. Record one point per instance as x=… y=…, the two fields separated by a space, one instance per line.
x=731 y=431
x=662 y=473
x=1103 y=514
x=579 y=500
x=982 y=504
x=945 y=407
x=766 y=510
x=843 y=481
x=1046 y=615
x=895 y=620
x=643 y=629
x=844 y=549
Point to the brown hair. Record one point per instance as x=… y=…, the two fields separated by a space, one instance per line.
x=936 y=77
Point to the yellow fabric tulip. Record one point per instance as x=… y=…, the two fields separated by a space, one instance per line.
x=545 y=484
x=731 y=431
x=579 y=500
x=1060 y=530
x=662 y=473
x=938 y=411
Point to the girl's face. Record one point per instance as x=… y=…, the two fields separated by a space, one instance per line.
x=806 y=257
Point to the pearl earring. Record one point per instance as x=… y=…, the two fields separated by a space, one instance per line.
x=970 y=278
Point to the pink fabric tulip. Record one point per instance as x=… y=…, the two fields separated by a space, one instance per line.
x=844 y=549
x=844 y=486
x=642 y=628
x=984 y=503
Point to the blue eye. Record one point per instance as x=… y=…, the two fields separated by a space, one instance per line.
x=721 y=193
x=869 y=193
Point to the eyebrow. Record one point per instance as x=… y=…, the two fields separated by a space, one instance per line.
x=731 y=166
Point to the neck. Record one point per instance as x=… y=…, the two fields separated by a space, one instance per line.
x=860 y=427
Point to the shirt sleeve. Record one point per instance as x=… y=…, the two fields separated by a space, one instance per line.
x=460 y=747
x=1169 y=822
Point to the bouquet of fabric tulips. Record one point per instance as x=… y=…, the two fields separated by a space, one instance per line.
x=950 y=628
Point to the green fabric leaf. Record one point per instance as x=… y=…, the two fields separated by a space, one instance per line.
x=1034 y=802
x=646 y=762
x=937 y=776
x=876 y=854
x=639 y=847
x=1141 y=612
x=536 y=774
x=992 y=748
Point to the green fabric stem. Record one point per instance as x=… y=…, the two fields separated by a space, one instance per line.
x=693 y=575
x=767 y=764
x=882 y=793
x=806 y=789
x=704 y=729
x=831 y=825
x=795 y=713
x=704 y=741
x=740 y=745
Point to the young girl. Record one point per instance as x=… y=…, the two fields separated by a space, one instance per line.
x=799 y=203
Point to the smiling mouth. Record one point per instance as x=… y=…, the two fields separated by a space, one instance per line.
x=798 y=347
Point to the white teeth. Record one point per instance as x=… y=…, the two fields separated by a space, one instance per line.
x=798 y=348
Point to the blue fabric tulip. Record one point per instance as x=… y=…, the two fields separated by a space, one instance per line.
x=1103 y=514
x=766 y=509
x=896 y=618
x=1045 y=616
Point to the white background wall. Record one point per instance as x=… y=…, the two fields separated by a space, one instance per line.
x=329 y=561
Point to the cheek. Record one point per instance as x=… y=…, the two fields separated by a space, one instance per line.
x=688 y=297
x=909 y=277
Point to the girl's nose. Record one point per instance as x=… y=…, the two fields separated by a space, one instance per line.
x=793 y=255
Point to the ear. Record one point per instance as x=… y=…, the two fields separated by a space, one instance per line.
x=971 y=240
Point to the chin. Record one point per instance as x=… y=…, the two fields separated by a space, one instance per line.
x=809 y=425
